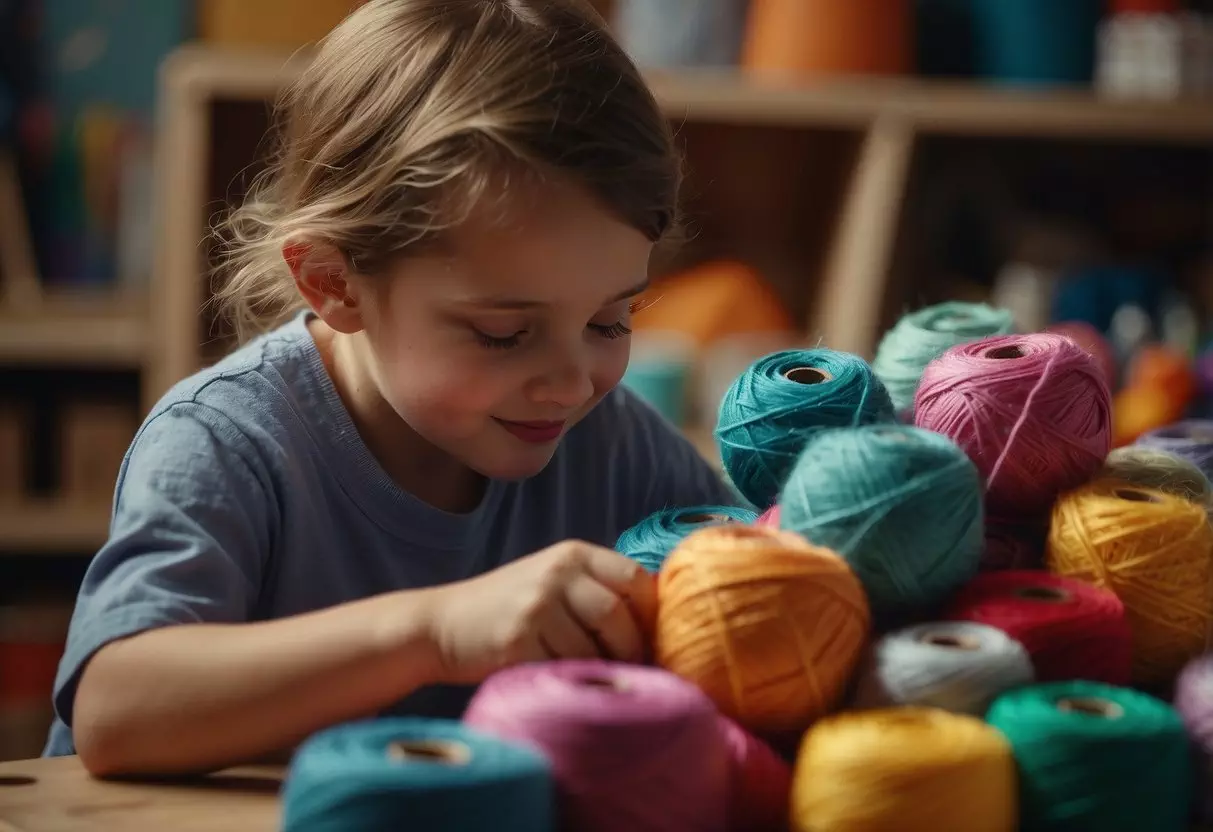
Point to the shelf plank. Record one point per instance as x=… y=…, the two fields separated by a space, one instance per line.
x=79 y=331
x=731 y=96
x=53 y=527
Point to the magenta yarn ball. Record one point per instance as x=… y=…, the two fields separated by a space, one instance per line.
x=1094 y=342
x=1033 y=412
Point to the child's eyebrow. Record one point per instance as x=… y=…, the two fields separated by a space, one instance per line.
x=524 y=304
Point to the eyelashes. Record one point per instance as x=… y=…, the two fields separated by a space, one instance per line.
x=608 y=331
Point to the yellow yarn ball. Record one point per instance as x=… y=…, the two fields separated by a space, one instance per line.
x=908 y=769
x=1154 y=550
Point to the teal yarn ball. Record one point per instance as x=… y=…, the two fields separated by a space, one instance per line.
x=1096 y=756
x=922 y=336
x=902 y=505
x=403 y=773
x=782 y=400
x=651 y=540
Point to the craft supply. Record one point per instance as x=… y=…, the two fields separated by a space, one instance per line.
x=920 y=337
x=1072 y=630
x=768 y=625
x=783 y=399
x=902 y=505
x=955 y=665
x=659 y=372
x=649 y=542
x=1194 y=702
x=1191 y=439
x=1096 y=756
x=1165 y=369
x=415 y=774
x=1031 y=411
x=1013 y=545
x=1137 y=411
x=770 y=517
x=1155 y=551
x=911 y=769
x=762 y=782
x=632 y=748
x=1152 y=468
x=1094 y=342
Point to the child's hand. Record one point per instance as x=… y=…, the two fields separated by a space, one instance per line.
x=571 y=600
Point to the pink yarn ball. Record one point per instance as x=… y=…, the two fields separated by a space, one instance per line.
x=1093 y=341
x=1033 y=412
x=762 y=782
x=769 y=518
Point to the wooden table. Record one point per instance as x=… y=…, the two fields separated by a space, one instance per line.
x=58 y=795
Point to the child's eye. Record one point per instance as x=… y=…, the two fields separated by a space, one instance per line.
x=494 y=342
x=616 y=330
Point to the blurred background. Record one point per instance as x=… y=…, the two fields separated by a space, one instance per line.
x=849 y=160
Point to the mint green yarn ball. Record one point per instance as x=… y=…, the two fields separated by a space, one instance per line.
x=922 y=336
x=1096 y=756
x=902 y=505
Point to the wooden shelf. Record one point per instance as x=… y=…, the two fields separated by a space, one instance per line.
x=729 y=96
x=51 y=526
x=80 y=331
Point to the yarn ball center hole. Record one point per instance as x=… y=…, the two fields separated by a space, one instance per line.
x=807 y=375
x=951 y=641
x=1135 y=496
x=1047 y=594
x=438 y=752
x=1004 y=353
x=697 y=518
x=1091 y=706
x=605 y=683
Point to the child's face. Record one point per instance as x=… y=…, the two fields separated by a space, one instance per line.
x=492 y=350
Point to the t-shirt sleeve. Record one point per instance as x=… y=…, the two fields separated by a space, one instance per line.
x=665 y=468
x=189 y=538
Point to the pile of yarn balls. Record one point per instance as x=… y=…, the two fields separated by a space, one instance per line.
x=1017 y=570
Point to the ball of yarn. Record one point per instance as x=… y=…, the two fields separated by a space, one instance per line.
x=1194 y=702
x=902 y=505
x=771 y=517
x=1031 y=411
x=649 y=542
x=922 y=336
x=769 y=626
x=783 y=399
x=955 y=665
x=415 y=774
x=903 y=768
x=1155 y=551
x=1096 y=756
x=1191 y=439
x=1072 y=630
x=1012 y=545
x=631 y=747
x=761 y=785
x=1149 y=467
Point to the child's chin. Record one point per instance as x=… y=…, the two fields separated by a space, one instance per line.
x=518 y=465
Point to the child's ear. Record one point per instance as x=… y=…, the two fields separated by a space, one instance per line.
x=323 y=276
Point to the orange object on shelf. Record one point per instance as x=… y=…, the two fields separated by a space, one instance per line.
x=1164 y=369
x=829 y=37
x=713 y=301
x=287 y=24
x=1138 y=410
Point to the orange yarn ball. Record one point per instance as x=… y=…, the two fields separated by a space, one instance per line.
x=769 y=626
x=1154 y=550
x=1166 y=369
x=1138 y=410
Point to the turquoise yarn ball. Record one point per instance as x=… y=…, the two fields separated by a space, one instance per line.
x=651 y=540
x=782 y=400
x=902 y=505
x=1096 y=756
x=922 y=336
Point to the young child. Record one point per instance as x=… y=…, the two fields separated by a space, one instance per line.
x=413 y=478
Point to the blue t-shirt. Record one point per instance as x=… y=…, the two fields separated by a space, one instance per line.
x=248 y=495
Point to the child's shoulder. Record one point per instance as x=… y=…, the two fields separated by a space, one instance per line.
x=271 y=379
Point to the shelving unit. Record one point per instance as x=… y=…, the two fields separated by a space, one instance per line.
x=81 y=331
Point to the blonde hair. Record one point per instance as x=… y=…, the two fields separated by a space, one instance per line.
x=412 y=110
